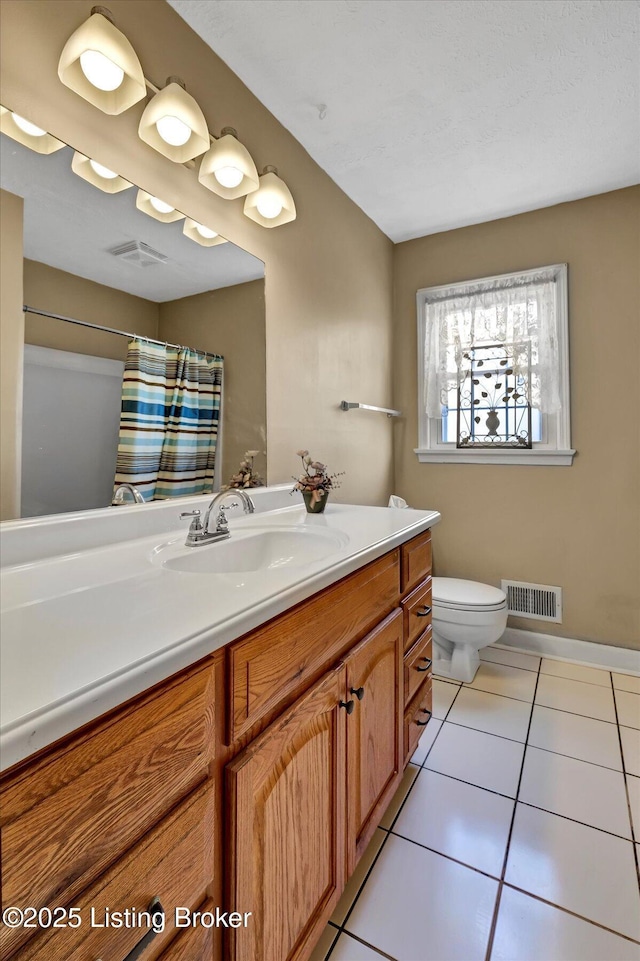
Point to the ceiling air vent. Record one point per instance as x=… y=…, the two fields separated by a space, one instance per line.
x=539 y=601
x=139 y=254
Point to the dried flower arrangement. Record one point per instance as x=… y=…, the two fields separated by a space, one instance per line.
x=315 y=479
x=246 y=475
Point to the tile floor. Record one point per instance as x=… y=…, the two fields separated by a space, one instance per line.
x=513 y=836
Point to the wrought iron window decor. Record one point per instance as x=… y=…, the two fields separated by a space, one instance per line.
x=494 y=396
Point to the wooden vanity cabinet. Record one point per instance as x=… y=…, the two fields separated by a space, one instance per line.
x=98 y=800
x=286 y=826
x=305 y=797
x=415 y=566
x=252 y=781
x=374 y=732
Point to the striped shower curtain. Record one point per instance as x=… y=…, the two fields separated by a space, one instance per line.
x=169 y=420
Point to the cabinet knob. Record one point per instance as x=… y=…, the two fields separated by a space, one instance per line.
x=424 y=611
x=428 y=666
x=358 y=691
x=424 y=723
x=348 y=706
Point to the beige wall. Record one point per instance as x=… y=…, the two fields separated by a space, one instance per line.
x=231 y=322
x=577 y=527
x=11 y=350
x=61 y=293
x=328 y=274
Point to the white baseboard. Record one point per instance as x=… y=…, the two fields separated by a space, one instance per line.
x=619 y=659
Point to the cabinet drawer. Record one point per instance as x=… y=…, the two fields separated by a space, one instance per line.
x=173 y=863
x=416 y=561
x=274 y=664
x=417 y=665
x=416 y=717
x=195 y=944
x=66 y=818
x=417 y=613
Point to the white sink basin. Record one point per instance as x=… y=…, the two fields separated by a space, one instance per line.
x=255 y=550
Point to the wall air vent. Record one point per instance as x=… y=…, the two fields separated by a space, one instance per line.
x=139 y=254
x=539 y=601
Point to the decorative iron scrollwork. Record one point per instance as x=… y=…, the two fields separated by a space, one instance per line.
x=494 y=408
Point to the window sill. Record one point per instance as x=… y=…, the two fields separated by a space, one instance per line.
x=521 y=458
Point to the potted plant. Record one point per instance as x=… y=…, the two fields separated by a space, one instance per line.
x=314 y=483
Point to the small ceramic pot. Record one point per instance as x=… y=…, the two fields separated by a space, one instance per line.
x=315 y=507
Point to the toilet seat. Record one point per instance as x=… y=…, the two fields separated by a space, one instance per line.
x=456 y=594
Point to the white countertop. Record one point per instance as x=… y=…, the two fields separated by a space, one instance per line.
x=83 y=632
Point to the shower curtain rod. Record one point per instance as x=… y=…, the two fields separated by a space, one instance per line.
x=112 y=330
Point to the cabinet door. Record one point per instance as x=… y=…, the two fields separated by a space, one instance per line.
x=286 y=802
x=374 y=731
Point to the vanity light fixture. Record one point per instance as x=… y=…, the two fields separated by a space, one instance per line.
x=98 y=175
x=173 y=123
x=227 y=168
x=271 y=204
x=26 y=133
x=157 y=208
x=201 y=235
x=98 y=63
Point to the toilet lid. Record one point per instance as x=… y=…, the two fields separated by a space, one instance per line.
x=453 y=592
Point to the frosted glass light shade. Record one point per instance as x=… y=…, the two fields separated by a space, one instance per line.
x=83 y=167
x=103 y=51
x=271 y=204
x=231 y=162
x=173 y=101
x=191 y=231
x=43 y=143
x=143 y=203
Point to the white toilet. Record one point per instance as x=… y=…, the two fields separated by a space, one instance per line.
x=467 y=616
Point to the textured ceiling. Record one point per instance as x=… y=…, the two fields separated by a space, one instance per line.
x=442 y=113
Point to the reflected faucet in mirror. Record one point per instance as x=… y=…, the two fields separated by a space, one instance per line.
x=119 y=495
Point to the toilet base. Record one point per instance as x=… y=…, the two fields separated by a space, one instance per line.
x=460 y=662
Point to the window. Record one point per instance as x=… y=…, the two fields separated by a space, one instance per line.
x=493 y=370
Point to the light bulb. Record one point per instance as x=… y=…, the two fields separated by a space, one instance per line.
x=173 y=130
x=228 y=176
x=206 y=232
x=100 y=71
x=161 y=206
x=102 y=171
x=27 y=127
x=269 y=207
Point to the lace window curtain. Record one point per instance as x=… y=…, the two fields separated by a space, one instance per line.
x=515 y=309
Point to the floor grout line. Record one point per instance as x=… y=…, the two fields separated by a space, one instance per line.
x=573 y=914
x=626 y=788
x=494 y=920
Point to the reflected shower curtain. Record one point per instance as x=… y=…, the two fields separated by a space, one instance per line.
x=169 y=420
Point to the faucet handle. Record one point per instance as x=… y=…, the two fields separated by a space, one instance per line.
x=195 y=524
x=222 y=523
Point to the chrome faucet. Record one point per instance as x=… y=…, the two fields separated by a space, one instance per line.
x=199 y=532
x=118 y=495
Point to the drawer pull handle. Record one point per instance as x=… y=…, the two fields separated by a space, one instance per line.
x=358 y=691
x=155 y=907
x=348 y=706
x=424 y=723
x=428 y=667
x=424 y=612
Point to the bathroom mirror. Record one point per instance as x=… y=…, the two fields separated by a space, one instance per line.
x=162 y=285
